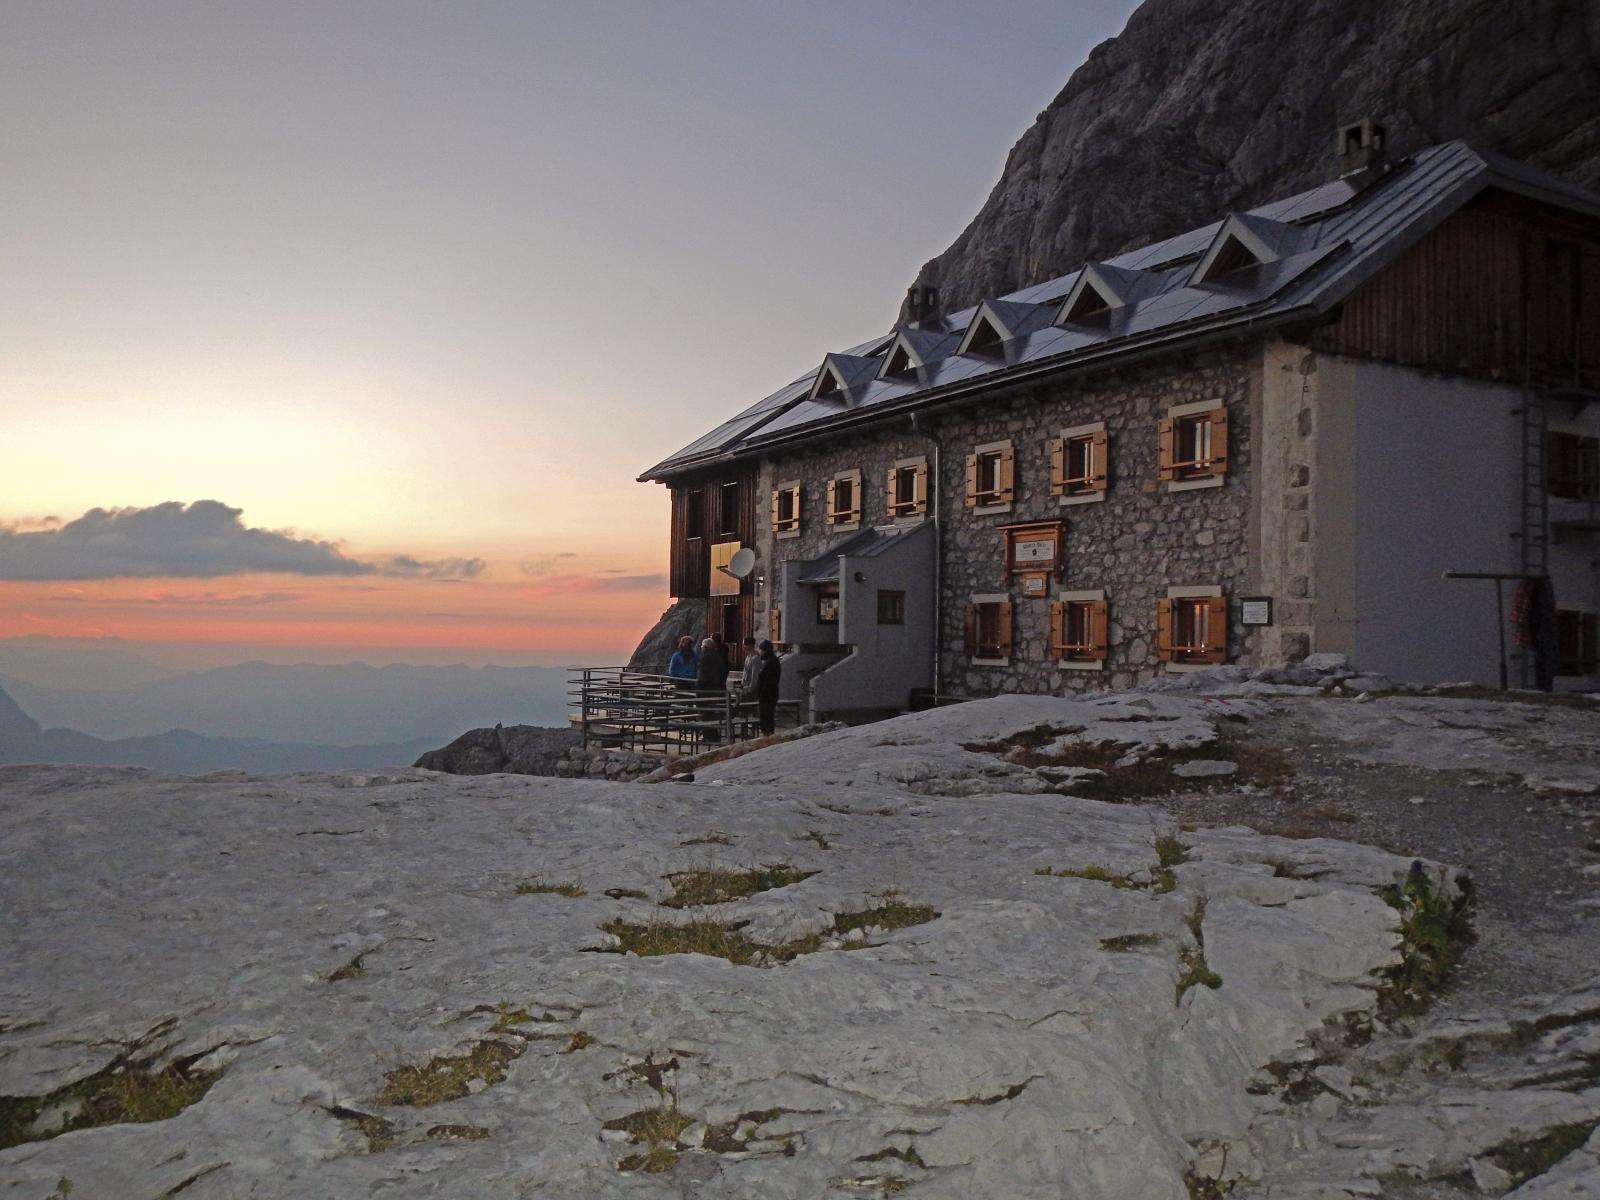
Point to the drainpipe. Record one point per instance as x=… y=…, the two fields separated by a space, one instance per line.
x=935 y=495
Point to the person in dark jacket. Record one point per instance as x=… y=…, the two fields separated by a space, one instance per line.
x=712 y=675
x=767 y=688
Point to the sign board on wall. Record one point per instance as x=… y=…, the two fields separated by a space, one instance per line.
x=1255 y=610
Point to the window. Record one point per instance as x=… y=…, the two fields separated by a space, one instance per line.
x=775 y=625
x=1577 y=644
x=786 y=509
x=991 y=477
x=988 y=629
x=1572 y=466
x=1078 y=463
x=694 y=514
x=1079 y=629
x=908 y=488
x=728 y=510
x=828 y=606
x=1192 y=626
x=1193 y=448
x=844 y=499
x=891 y=607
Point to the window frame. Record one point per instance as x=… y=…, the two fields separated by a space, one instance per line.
x=791 y=526
x=1577 y=643
x=845 y=518
x=1576 y=457
x=825 y=594
x=1000 y=497
x=917 y=506
x=894 y=612
x=1210 y=603
x=1089 y=654
x=1090 y=487
x=1205 y=470
x=998 y=606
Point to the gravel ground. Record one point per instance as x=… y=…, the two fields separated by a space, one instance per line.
x=1538 y=913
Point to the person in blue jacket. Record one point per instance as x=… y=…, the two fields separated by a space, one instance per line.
x=685 y=664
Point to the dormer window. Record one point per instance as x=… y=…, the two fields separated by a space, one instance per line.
x=1246 y=241
x=986 y=336
x=899 y=362
x=1085 y=303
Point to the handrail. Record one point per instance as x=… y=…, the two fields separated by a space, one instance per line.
x=654 y=714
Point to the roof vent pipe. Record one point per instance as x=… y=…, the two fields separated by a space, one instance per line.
x=1360 y=145
x=922 y=304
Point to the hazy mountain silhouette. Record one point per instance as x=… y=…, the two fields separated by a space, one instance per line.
x=22 y=740
x=304 y=703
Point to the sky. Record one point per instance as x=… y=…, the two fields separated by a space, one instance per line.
x=342 y=330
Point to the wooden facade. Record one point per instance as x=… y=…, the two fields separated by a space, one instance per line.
x=708 y=510
x=1504 y=290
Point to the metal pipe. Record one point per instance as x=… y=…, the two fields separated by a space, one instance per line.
x=935 y=497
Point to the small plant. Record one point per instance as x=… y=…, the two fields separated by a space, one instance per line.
x=126 y=1093
x=1524 y=1159
x=656 y=1129
x=572 y=889
x=893 y=913
x=1170 y=851
x=458 y=1133
x=354 y=969
x=714 y=838
x=1192 y=968
x=721 y=885
x=447 y=1077
x=1094 y=873
x=508 y=1018
x=1123 y=942
x=578 y=1041
x=626 y=894
x=1435 y=930
x=378 y=1132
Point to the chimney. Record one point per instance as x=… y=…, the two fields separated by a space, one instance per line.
x=1360 y=145
x=922 y=304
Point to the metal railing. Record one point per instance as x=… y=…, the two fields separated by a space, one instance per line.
x=616 y=708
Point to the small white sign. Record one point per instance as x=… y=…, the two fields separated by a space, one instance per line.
x=1036 y=550
x=1255 y=610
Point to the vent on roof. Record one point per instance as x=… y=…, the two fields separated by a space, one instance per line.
x=1359 y=146
x=922 y=303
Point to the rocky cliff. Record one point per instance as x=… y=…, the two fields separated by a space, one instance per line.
x=1202 y=106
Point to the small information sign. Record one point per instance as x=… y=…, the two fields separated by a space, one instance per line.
x=1255 y=610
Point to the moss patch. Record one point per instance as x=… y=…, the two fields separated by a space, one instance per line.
x=446 y=1077
x=126 y=1093
x=533 y=887
x=721 y=885
x=458 y=1133
x=354 y=969
x=714 y=838
x=1192 y=968
x=378 y=1132
x=1523 y=1159
x=1125 y=942
x=1435 y=930
x=657 y=1130
x=893 y=913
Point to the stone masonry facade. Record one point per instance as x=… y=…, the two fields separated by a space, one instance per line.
x=1140 y=540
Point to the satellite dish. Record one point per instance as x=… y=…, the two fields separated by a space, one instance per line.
x=742 y=562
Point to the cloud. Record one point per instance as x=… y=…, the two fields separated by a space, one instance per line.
x=543 y=565
x=201 y=540
x=568 y=585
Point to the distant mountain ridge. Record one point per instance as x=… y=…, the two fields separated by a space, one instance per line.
x=306 y=703
x=1202 y=106
x=23 y=740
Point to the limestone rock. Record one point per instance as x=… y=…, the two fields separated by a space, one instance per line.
x=1204 y=768
x=686 y=618
x=1202 y=106
x=515 y=749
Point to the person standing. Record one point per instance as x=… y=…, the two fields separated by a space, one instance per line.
x=712 y=673
x=685 y=664
x=767 y=689
x=751 y=669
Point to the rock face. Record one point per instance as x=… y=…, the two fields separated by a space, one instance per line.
x=419 y=985
x=1201 y=106
x=515 y=749
x=686 y=618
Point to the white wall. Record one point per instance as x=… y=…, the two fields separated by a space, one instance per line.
x=888 y=661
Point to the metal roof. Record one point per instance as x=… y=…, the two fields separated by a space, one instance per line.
x=869 y=543
x=1317 y=248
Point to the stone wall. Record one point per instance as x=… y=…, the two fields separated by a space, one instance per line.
x=1138 y=541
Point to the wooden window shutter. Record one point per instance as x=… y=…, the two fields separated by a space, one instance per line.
x=1164 y=630
x=972 y=481
x=1058 y=466
x=777 y=494
x=1100 y=445
x=969 y=619
x=1004 y=624
x=858 y=501
x=1216 y=629
x=919 y=490
x=833 y=518
x=1099 y=629
x=890 y=499
x=1008 y=476
x=1219 y=440
x=1166 y=449
x=1058 y=627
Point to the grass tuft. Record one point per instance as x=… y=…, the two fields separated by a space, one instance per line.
x=713 y=838
x=1123 y=942
x=722 y=885
x=893 y=913
x=1094 y=872
x=125 y=1093
x=656 y=1129
x=1524 y=1159
x=1192 y=968
x=578 y=1041
x=354 y=969
x=446 y=1077
x=379 y=1133
x=1435 y=930
x=572 y=889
